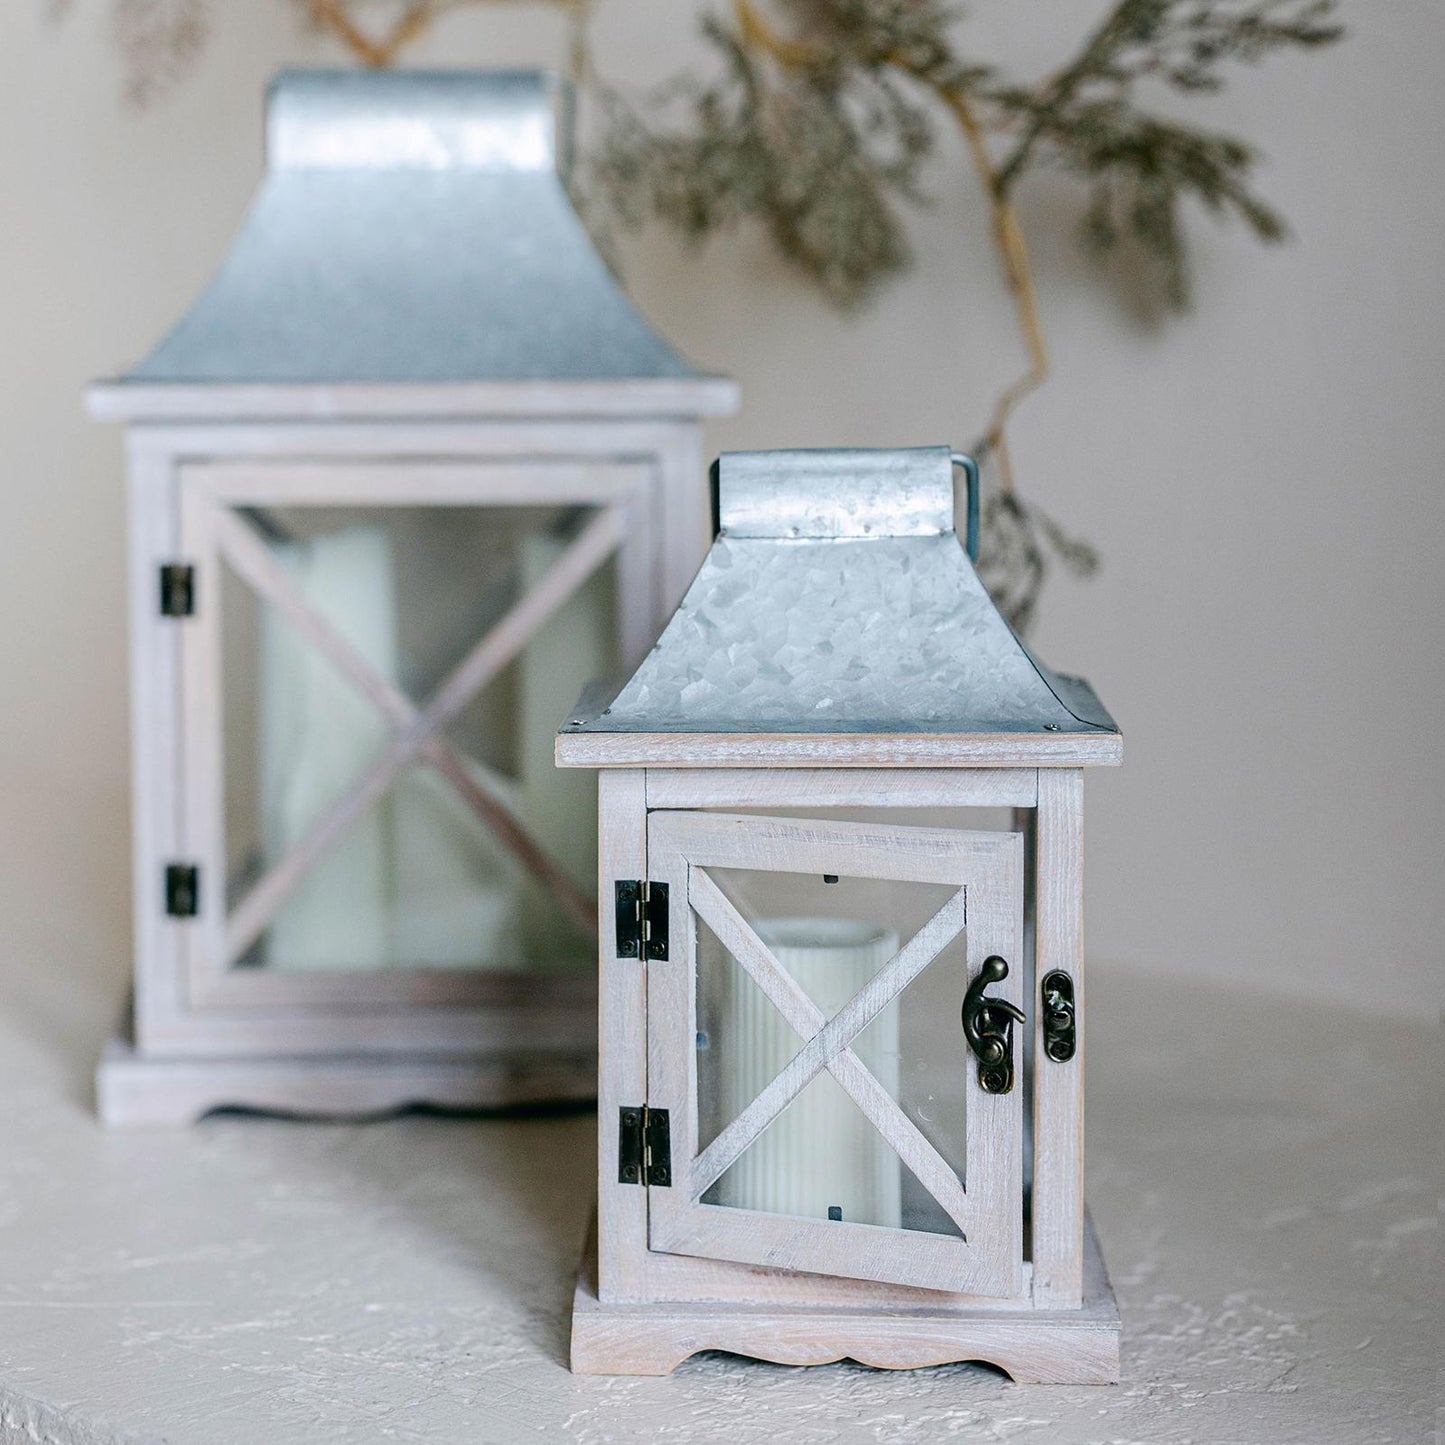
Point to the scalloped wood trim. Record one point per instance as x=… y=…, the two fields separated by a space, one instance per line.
x=1055 y=1347
x=132 y=1089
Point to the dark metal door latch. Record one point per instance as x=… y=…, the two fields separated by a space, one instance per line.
x=988 y=1027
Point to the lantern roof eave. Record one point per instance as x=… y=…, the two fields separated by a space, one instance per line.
x=587 y=740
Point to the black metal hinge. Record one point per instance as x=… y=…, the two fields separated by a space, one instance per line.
x=183 y=890
x=641 y=919
x=644 y=1146
x=178 y=589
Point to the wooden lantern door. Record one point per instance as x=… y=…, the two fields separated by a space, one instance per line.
x=824 y=1111
x=229 y=940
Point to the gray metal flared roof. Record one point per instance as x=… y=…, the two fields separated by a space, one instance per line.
x=412 y=228
x=838 y=599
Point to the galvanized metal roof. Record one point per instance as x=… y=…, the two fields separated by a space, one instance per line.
x=412 y=227
x=838 y=598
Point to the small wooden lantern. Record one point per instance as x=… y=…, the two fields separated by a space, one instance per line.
x=842 y=979
x=403 y=474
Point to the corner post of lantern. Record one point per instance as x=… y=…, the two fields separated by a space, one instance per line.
x=1058 y=1185
x=378 y=536
x=621 y=1254
x=840 y=874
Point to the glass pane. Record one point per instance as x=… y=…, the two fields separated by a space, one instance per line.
x=424 y=877
x=819 y=1159
x=822 y=1158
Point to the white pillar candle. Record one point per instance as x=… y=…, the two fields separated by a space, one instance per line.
x=316 y=735
x=453 y=895
x=821 y=1153
x=418 y=881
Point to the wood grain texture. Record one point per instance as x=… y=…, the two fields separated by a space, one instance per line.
x=994 y=1174
x=838 y=1249
x=842 y=788
x=985 y=869
x=1058 y=1186
x=1055 y=1347
x=804 y=845
x=838 y=750
x=692 y=1279
x=622 y=1080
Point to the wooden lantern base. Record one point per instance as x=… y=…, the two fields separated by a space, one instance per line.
x=1046 y=1347
x=132 y=1088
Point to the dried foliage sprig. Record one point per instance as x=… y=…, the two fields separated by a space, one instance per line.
x=1141 y=166
x=821 y=134
x=158 y=40
x=819 y=117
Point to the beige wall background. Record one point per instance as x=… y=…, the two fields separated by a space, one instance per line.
x=1262 y=476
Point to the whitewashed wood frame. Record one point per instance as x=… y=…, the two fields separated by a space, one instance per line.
x=641 y=1306
x=200 y=1034
x=376 y=1005
x=985 y=870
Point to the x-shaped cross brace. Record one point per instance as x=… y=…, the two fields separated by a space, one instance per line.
x=828 y=1044
x=415 y=732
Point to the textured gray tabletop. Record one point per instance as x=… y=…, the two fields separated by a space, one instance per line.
x=1260 y=1175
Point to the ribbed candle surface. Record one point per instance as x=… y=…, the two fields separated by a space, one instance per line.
x=821 y=1153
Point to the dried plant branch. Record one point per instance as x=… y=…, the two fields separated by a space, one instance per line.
x=334 y=18
x=818 y=124
x=1084 y=119
x=158 y=41
x=1008 y=233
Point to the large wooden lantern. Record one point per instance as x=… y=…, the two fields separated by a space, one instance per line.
x=842 y=988
x=407 y=471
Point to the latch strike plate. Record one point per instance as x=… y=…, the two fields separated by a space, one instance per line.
x=1060 y=1033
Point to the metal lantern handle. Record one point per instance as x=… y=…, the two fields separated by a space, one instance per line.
x=969 y=467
